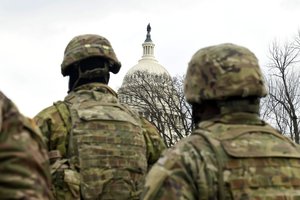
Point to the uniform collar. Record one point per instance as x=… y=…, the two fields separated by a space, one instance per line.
x=245 y=118
x=99 y=87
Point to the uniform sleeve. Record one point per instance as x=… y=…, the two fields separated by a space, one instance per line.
x=24 y=168
x=43 y=123
x=154 y=142
x=180 y=173
x=53 y=129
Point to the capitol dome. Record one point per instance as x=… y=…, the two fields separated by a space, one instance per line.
x=148 y=90
x=147 y=63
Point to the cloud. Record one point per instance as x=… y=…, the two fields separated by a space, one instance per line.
x=291 y=5
x=34 y=34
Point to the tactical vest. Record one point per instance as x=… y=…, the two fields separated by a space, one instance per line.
x=254 y=162
x=106 y=146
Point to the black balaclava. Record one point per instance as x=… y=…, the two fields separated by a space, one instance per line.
x=89 y=70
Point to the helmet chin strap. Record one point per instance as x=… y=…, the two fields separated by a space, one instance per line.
x=92 y=74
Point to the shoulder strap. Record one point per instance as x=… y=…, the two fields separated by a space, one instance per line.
x=62 y=107
x=219 y=159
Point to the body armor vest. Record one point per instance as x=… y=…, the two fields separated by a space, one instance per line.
x=106 y=145
x=254 y=162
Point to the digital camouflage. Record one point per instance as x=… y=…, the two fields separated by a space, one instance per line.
x=24 y=167
x=226 y=160
x=111 y=147
x=89 y=45
x=223 y=71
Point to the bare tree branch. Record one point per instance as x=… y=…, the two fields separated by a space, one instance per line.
x=161 y=100
x=282 y=105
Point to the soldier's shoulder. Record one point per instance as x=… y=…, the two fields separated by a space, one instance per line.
x=48 y=112
x=15 y=124
x=195 y=141
x=186 y=150
x=148 y=126
x=32 y=126
x=7 y=106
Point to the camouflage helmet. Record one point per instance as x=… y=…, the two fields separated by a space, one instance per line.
x=89 y=45
x=223 y=71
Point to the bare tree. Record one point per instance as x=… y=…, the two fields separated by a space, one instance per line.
x=160 y=99
x=281 y=107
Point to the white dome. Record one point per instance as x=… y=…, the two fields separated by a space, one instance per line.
x=149 y=65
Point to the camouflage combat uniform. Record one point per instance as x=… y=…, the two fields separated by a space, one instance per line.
x=24 y=167
x=98 y=148
x=260 y=162
x=54 y=125
x=232 y=155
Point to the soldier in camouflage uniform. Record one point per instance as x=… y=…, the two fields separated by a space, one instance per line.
x=24 y=165
x=99 y=149
x=232 y=153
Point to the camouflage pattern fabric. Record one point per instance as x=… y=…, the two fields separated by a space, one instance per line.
x=55 y=123
x=236 y=156
x=223 y=71
x=89 y=45
x=24 y=165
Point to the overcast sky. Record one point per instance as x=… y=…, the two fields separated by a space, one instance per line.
x=34 y=33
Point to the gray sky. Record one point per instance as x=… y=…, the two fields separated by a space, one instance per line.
x=34 y=33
